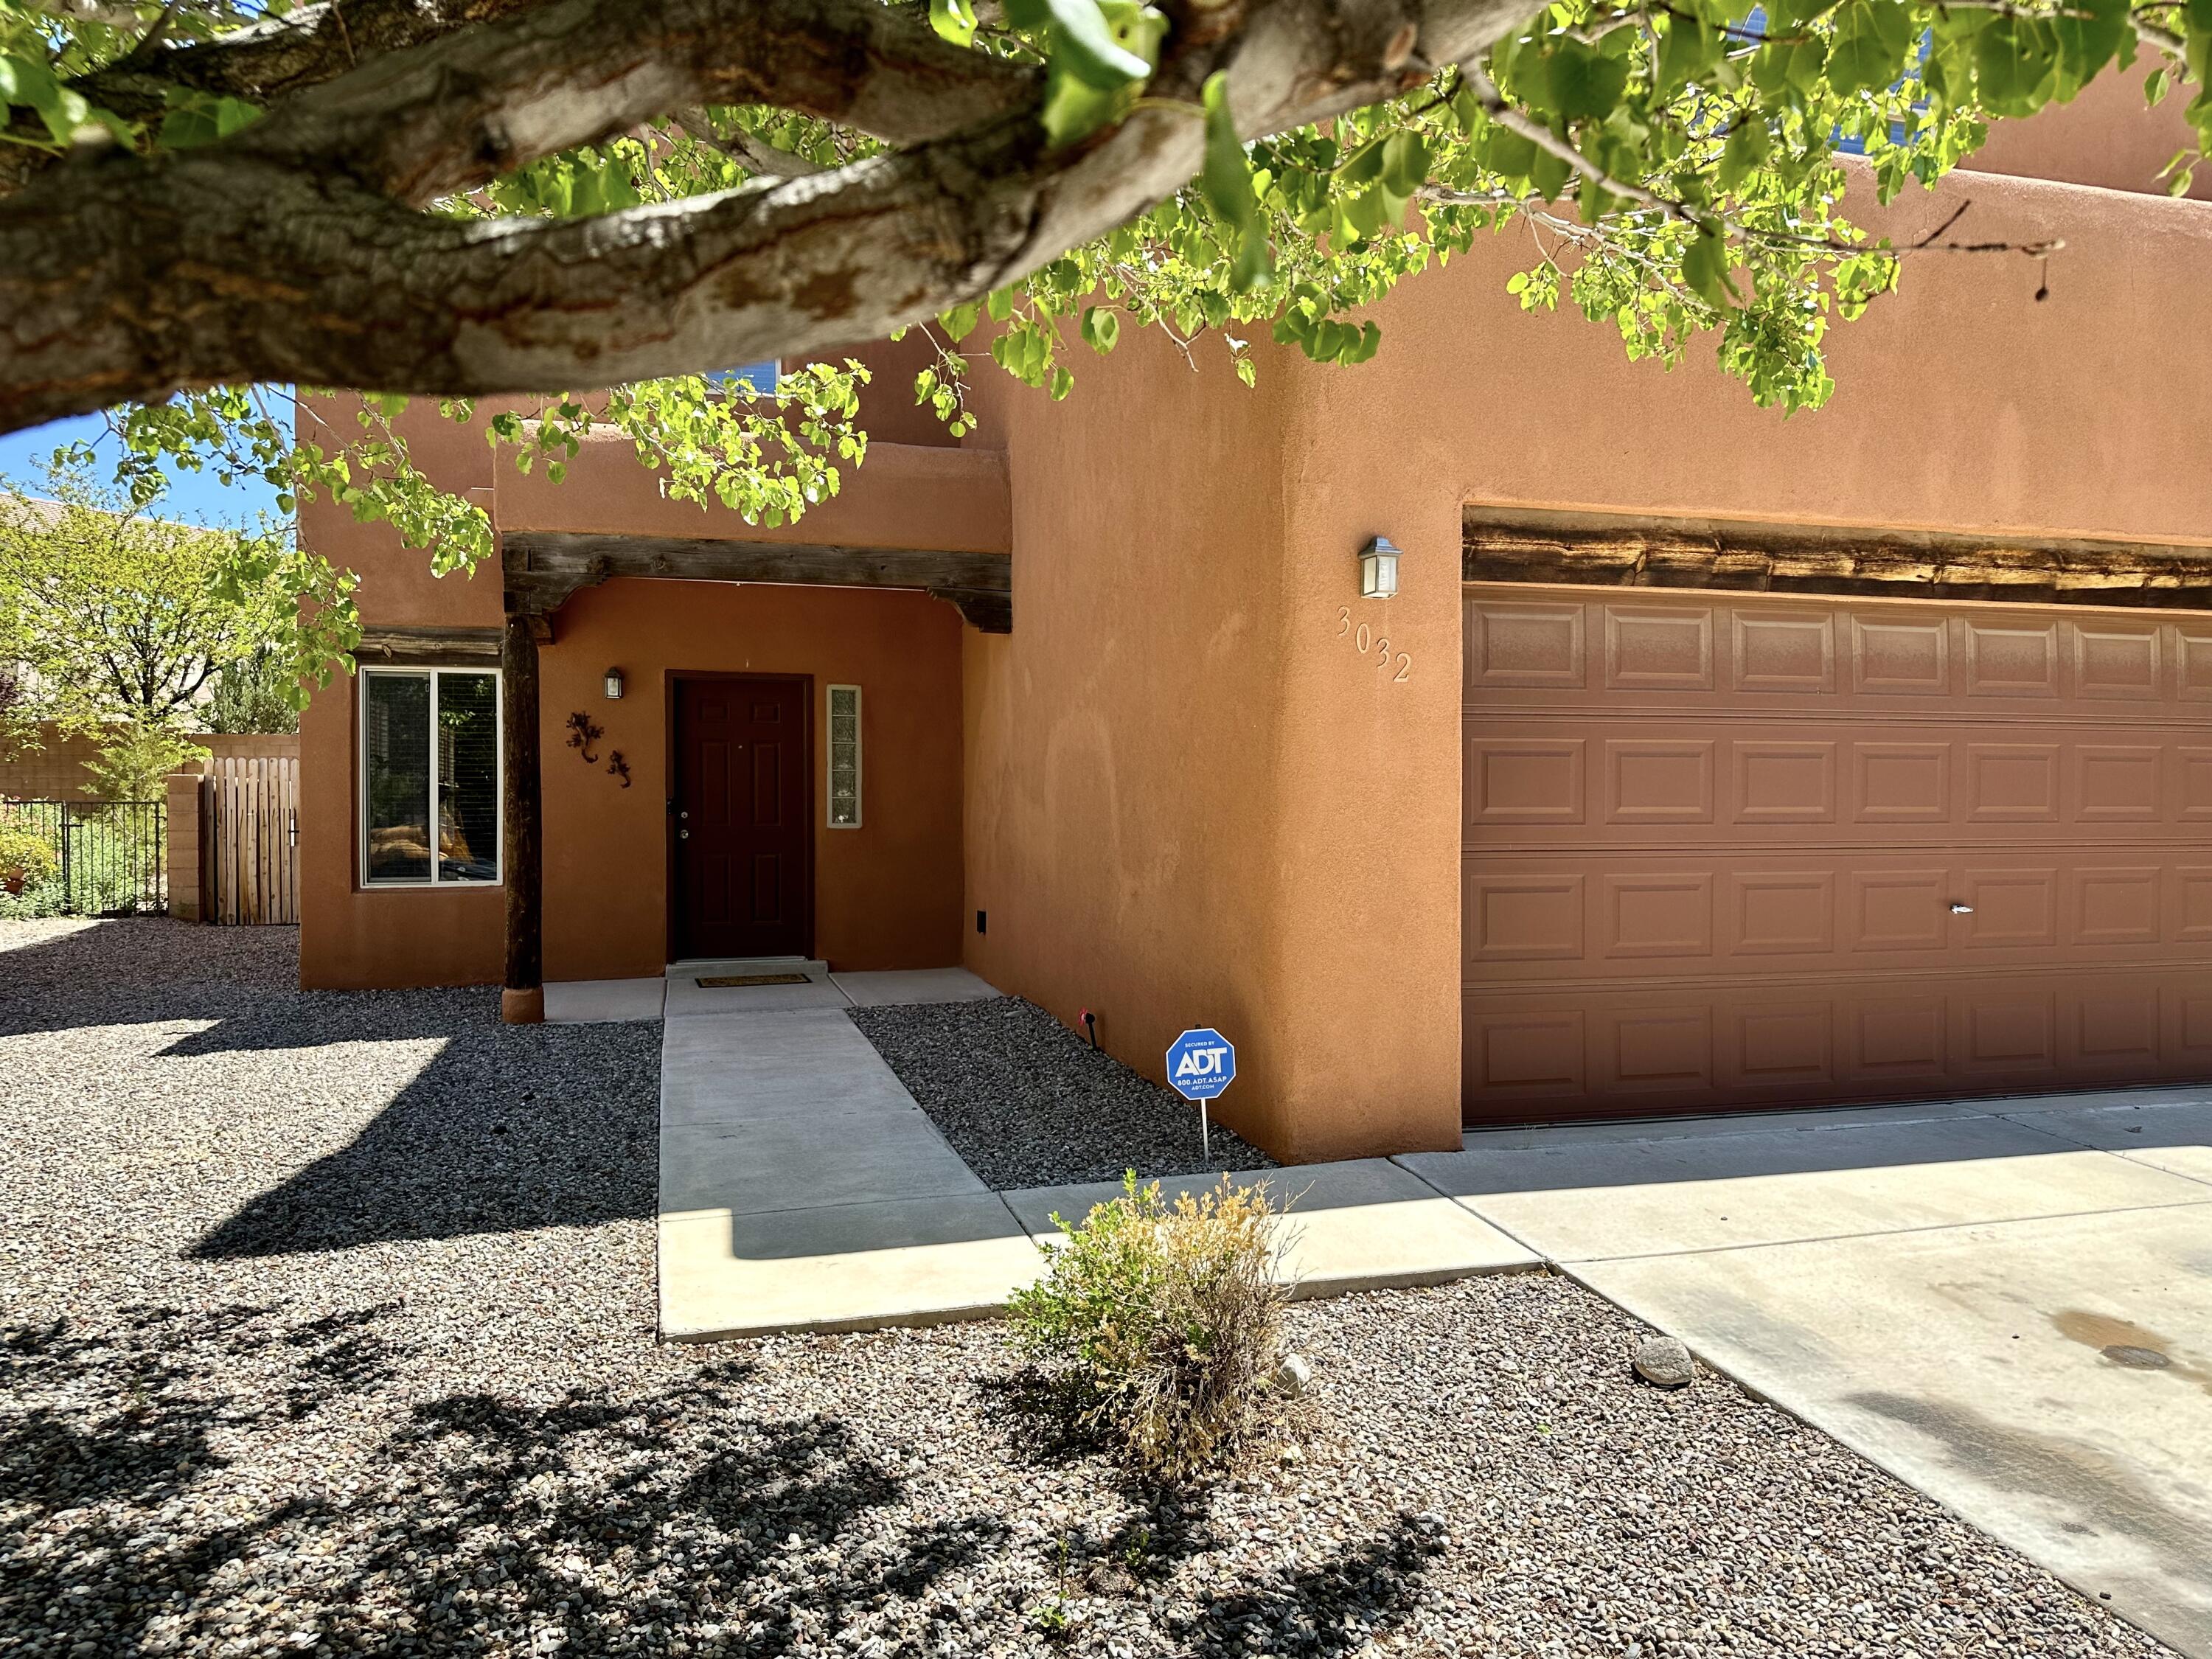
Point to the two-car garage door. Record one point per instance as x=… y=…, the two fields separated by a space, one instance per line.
x=1752 y=850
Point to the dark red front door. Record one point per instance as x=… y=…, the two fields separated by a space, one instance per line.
x=744 y=872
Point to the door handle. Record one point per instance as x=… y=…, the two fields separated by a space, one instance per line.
x=1962 y=909
x=683 y=834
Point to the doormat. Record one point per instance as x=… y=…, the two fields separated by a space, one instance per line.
x=730 y=982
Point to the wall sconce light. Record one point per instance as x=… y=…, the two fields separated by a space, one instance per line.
x=1378 y=569
x=614 y=685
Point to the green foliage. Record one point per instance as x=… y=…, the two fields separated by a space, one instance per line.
x=1164 y=1320
x=251 y=695
x=135 y=760
x=114 y=867
x=26 y=858
x=119 y=616
x=19 y=723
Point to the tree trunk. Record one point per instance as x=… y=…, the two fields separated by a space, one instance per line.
x=523 y=1000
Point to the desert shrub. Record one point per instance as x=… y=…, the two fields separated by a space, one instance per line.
x=1163 y=1320
x=26 y=857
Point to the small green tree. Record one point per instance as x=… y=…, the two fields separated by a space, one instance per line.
x=111 y=615
x=251 y=694
x=134 y=760
x=18 y=728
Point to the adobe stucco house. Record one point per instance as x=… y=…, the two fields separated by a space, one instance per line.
x=1701 y=759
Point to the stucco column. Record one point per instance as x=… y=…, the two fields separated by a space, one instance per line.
x=522 y=1002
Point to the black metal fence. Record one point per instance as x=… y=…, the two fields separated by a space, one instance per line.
x=101 y=858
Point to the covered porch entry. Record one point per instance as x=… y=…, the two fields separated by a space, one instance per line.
x=722 y=749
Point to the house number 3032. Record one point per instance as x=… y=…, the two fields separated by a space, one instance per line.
x=1376 y=647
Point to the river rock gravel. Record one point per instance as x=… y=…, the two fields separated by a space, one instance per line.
x=1028 y=1103
x=328 y=1330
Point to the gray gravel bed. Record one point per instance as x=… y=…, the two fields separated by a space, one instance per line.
x=1028 y=1103
x=412 y=1405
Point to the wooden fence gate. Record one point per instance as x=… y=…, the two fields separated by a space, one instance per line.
x=250 y=841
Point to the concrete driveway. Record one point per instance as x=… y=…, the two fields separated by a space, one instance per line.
x=2008 y=1304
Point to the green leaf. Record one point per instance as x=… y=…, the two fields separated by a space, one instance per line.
x=1549 y=174
x=26 y=82
x=1689 y=49
x=1869 y=51
x=1744 y=153
x=1585 y=84
x=955 y=20
x=1100 y=329
x=1404 y=163
x=2090 y=35
x=1080 y=41
x=1092 y=75
x=195 y=118
x=1704 y=269
x=1509 y=153
x=1227 y=180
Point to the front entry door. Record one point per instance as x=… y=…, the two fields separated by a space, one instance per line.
x=744 y=844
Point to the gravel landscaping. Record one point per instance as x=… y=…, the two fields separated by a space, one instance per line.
x=328 y=1329
x=1028 y=1103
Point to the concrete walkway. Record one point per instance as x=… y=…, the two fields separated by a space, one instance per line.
x=800 y=1185
x=801 y=1189
x=2006 y=1304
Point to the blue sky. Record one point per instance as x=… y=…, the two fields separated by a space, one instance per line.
x=194 y=497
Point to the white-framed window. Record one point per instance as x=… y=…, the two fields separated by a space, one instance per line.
x=844 y=757
x=429 y=777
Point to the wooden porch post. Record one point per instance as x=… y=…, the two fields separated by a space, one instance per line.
x=522 y=1002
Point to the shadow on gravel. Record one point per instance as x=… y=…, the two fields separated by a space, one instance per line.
x=1040 y=1417
x=1332 y=1608
x=548 y=1523
x=504 y=1128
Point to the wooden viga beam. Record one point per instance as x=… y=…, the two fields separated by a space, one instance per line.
x=1831 y=563
x=542 y=567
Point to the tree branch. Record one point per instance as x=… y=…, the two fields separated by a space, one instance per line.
x=121 y=278
x=261 y=64
x=434 y=121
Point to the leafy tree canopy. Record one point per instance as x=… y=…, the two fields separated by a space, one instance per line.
x=109 y=615
x=457 y=199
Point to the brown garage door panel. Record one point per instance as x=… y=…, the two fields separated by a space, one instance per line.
x=1685 y=1049
x=1535 y=779
x=1748 y=851
x=1780 y=654
x=1818 y=909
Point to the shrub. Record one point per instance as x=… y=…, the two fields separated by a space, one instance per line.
x=135 y=761
x=26 y=858
x=1165 y=1321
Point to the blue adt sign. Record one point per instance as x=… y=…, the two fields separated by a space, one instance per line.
x=1202 y=1063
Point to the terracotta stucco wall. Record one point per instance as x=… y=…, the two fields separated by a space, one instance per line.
x=1191 y=799
x=1121 y=741
x=887 y=895
x=2107 y=137
x=349 y=936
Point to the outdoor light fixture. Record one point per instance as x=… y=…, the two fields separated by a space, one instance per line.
x=1378 y=569
x=614 y=685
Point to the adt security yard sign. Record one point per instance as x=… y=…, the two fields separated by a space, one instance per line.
x=1200 y=1065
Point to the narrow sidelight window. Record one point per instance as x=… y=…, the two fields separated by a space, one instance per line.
x=429 y=787
x=844 y=757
